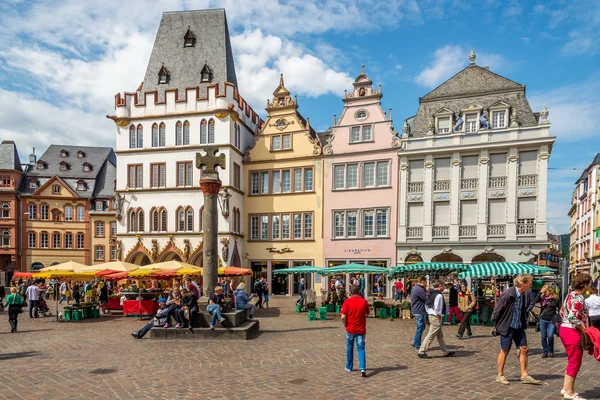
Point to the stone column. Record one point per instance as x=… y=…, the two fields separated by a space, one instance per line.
x=210 y=185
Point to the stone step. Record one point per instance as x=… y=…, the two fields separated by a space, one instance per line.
x=247 y=330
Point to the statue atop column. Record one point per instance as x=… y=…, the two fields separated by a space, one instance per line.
x=210 y=185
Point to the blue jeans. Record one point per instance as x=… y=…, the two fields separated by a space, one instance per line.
x=360 y=347
x=547 y=329
x=300 y=300
x=362 y=291
x=63 y=298
x=33 y=308
x=142 y=332
x=420 y=319
x=398 y=296
x=215 y=310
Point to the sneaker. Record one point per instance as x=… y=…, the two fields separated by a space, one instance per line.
x=574 y=397
x=363 y=374
x=502 y=379
x=458 y=336
x=221 y=320
x=212 y=327
x=177 y=326
x=530 y=381
x=135 y=335
x=165 y=325
x=251 y=319
x=423 y=355
x=348 y=370
x=468 y=336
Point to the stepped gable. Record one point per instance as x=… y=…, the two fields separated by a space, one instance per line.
x=477 y=85
x=9 y=157
x=188 y=43
x=95 y=157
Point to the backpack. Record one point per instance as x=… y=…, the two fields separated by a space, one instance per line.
x=258 y=287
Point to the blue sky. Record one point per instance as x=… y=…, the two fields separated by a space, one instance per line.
x=62 y=62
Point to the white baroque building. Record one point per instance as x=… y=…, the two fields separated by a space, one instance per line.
x=188 y=99
x=473 y=173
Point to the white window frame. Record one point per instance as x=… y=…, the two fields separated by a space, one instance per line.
x=341 y=231
x=499 y=111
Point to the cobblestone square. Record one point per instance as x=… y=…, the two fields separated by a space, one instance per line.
x=291 y=358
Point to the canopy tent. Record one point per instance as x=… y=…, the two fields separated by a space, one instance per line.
x=22 y=274
x=502 y=269
x=116 y=276
x=70 y=266
x=234 y=271
x=149 y=270
x=427 y=268
x=69 y=270
x=353 y=269
x=116 y=266
x=303 y=269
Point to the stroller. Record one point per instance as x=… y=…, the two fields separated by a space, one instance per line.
x=43 y=307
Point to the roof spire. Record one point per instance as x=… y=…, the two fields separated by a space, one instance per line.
x=472 y=57
x=362 y=71
x=281 y=80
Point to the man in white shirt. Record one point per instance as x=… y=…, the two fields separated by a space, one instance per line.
x=593 y=305
x=435 y=307
x=33 y=295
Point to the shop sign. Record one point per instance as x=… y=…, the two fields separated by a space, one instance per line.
x=357 y=251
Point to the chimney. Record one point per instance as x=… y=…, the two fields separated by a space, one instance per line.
x=32 y=157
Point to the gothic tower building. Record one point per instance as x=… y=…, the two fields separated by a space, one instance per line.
x=188 y=99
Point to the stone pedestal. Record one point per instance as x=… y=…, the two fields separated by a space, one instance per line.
x=210 y=218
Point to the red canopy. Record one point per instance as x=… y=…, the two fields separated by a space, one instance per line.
x=116 y=276
x=164 y=274
x=23 y=274
x=105 y=272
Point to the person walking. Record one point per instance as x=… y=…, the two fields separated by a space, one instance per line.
x=266 y=293
x=575 y=320
x=548 y=310
x=65 y=293
x=354 y=316
x=466 y=303
x=417 y=307
x=399 y=287
x=510 y=321
x=300 y=300
x=14 y=303
x=361 y=280
x=33 y=295
x=453 y=300
x=435 y=306
x=593 y=305
x=258 y=289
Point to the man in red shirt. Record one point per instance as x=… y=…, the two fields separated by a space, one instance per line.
x=354 y=316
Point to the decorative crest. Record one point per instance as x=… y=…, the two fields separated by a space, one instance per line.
x=210 y=161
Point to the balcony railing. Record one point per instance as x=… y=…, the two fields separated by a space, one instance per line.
x=496 y=230
x=497 y=182
x=527 y=180
x=467 y=231
x=468 y=183
x=441 y=185
x=441 y=231
x=525 y=227
x=415 y=187
x=414 y=232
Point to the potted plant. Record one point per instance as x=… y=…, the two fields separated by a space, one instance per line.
x=405 y=306
x=311 y=306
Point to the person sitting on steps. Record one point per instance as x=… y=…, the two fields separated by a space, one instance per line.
x=242 y=300
x=214 y=306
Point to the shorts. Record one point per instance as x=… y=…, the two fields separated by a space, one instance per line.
x=514 y=335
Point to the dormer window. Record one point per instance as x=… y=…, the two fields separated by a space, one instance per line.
x=206 y=74
x=33 y=184
x=81 y=186
x=64 y=153
x=443 y=125
x=163 y=75
x=86 y=167
x=471 y=123
x=64 y=166
x=189 y=39
x=80 y=154
x=41 y=165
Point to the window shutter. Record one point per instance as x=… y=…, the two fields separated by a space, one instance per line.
x=441 y=213
x=415 y=214
x=442 y=169
x=497 y=211
x=527 y=162
x=415 y=170
x=469 y=167
x=468 y=212
x=498 y=165
x=527 y=208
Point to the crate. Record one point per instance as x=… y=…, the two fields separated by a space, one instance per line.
x=67 y=313
x=393 y=313
x=298 y=309
x=95 y=312
x=383 y=313
x=338 y=308
x=312 y=315
x=77 y=315
x=330 y=307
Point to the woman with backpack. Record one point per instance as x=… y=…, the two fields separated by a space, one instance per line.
x=14 y=302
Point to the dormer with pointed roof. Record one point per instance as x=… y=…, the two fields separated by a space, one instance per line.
x=189 y=39
x=363 y=88
x=282 y=97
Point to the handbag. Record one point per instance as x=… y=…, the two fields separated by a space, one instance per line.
x=186 y=312
x=585 y=343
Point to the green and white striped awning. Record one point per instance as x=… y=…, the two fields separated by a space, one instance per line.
x=427 y=268
x=502 y=269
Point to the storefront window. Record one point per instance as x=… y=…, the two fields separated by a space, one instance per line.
x=279 y=282
x=377 y=282
x=297 y=277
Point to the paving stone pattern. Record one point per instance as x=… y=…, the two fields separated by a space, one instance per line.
x=291 y=358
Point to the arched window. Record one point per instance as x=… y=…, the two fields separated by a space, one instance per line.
x=140 y=136
x=5 y=210
x=132 y=221
x=180 y=220
x=211 y=131
x=163 y=220
x=200 y=226
x=132 y=138
x=140 y=221
x=186 y=133
x=163 y=134
x=234 y=225
x=5 y=238
x=178 y=134
x=155 y=135
x=189 y=220
x=155 y=226
x=203 y=134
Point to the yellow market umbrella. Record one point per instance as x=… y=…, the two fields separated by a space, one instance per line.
x=64 y=275
x=190 y=271
x=70 y=266
x=148 y=270
x=117 y=266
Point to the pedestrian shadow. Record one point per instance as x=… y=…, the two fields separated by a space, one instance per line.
x=25 y=331
x=272 y=312
x=24 y=354
x=316 y=328
x=591 y=394
x=375 y=371
x=548 y=377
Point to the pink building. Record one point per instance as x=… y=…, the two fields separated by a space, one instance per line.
x=360 y=183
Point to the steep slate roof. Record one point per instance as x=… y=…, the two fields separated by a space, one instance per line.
x=184 y=64
x=585 y=171
x=95 y=156
x=9 y=157
x=105 y=183
x=473 y=85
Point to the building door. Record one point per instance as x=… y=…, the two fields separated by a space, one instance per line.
x=279 y=282
x=377 y=282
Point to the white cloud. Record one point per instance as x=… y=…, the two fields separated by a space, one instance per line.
x=525 y=40
x=450 y=59
x=398 y=67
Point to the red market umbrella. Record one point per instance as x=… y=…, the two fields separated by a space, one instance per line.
x=105 y=272
x=23 y=274
x=164 y=274
x=116 y=276
x=234 y=271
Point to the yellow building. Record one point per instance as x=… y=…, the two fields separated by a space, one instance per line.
x=57 y=197
x=284 y=204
